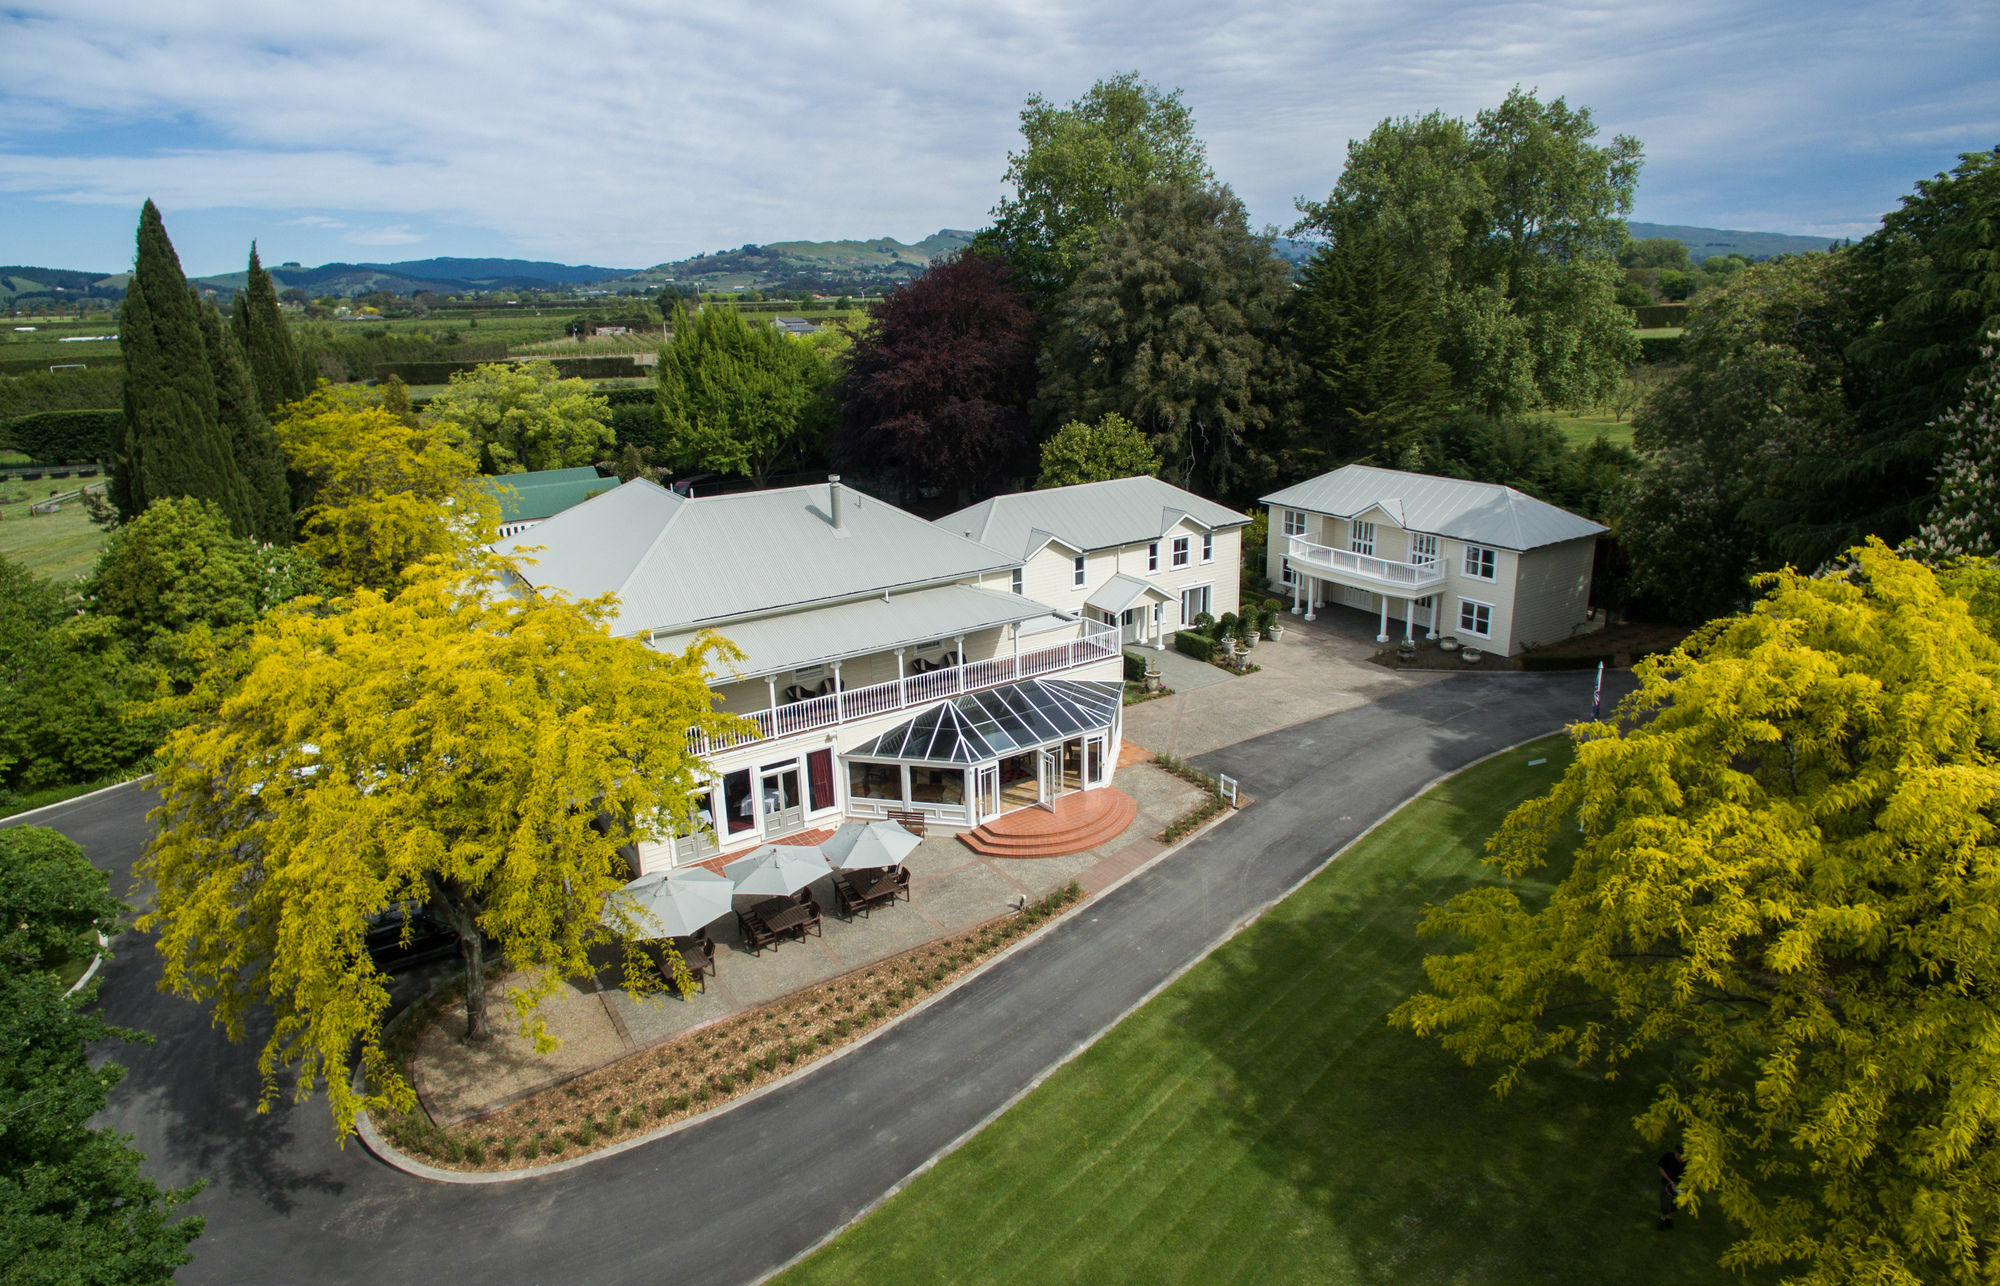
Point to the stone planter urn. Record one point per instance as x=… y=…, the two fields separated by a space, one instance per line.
x=1248 y=641
x=1226 y=646
x=1470 y=655
x=1275 y=630
x=1449 y=643
x=1406 y=652
x=1152 y=680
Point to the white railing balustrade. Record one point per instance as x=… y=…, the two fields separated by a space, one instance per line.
x=1099 y=643
x=1417 y=577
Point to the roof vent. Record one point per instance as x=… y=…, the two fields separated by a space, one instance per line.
x=833 y=498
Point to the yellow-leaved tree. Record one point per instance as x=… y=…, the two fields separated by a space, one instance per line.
x=1784 y=906
x=381 y=494
x=465 y=743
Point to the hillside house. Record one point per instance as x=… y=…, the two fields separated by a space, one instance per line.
x=1137 y=553
x=883 y=669
x=1490 y=565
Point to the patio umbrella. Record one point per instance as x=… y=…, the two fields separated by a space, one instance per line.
x=673 y=906
x=777 y=870
x=858 y=846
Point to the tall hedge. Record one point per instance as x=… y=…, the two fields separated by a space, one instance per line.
x=63 y=437
x=266 y=340
x=260 y=462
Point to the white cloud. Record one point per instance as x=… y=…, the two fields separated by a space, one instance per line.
x=629 y=132
x=395 y=235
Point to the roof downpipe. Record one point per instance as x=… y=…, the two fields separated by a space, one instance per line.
x=833 y=498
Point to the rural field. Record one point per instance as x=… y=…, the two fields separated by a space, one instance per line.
x=60 y=545
x=1261 y=1121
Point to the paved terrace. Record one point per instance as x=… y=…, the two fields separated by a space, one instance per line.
x=952 y=888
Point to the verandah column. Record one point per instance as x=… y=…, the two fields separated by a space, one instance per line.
x=1312 y=595
x=839 y=696
x=958 y=650
x=1434 y=615
x=1382 y=630
x=1409 y=619
x=902 y=684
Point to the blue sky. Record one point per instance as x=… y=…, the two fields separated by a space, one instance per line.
x=629 y=132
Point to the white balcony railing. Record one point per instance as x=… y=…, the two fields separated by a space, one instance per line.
x=1099 y=643
x=1365 y=571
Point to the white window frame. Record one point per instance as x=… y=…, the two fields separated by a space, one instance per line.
x=1472 y=607
x=1153 y=556
x=1207 y=590
x=1285 y=571
x=1423 y=550
x=1182 y=548
x=1361 y=537
x=1295 y=522
x=1208 y=546
x=1077 y=579
x=1019 y=582
x=1481 y=562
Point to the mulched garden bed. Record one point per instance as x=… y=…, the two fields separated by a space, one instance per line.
x=700 y=1070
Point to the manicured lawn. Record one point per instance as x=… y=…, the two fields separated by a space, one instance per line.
x=59 y=545
x=1260 y=1121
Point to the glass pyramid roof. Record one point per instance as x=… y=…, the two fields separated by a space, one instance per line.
x=999 y=721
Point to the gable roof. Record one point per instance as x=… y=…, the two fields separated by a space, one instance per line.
x=676 y=562
x=1089 y=515
x=1484 y=513
x=543 y=494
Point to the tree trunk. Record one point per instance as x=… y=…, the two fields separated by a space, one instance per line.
x=464 y=918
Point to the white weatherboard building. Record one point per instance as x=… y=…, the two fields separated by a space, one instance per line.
x=889 y=664
x=1494 y=567
x=1136 y=553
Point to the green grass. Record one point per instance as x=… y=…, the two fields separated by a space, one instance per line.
x=58 y=545
x=1261 y=1122
x=1660 y=332
x=1582 y=426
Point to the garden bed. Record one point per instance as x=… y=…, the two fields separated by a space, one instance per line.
x=698 y=1071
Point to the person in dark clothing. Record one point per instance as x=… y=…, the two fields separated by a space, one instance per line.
x=1672 y=1166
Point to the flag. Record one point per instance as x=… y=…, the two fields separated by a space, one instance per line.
x=1597 y=693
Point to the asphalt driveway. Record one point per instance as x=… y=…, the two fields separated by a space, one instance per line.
x=740 y=1194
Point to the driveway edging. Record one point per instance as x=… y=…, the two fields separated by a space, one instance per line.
x=394 y=1157
x=1245 y=922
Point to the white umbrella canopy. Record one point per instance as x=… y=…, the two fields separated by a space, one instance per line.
x=777 y=870
x=675 y=905
x=858 y=846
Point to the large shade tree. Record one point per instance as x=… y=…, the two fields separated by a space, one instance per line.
x=1079 y=169
x=1780 y=910
x=1176 y=323
x=457 y=744
x=1508 y=229
x=742 y=399
x=936 y=389
x=523 y=418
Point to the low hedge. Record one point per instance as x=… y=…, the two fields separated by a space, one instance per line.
x=570 y=368
x=630 y=396
x=1135 y=668
x=1655 y=316
x=1195 y=644
x=63 y=437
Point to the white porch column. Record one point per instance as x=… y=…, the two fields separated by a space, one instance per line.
x=958 y=647
x=1297 y=577
x=1409 y=619
x=1434 y=615
x=839 y=697
x=902 y=688
x=1017 y=649
x=1159 y=627
x=1312 y=594
x=771 y=681
x=1382 y=629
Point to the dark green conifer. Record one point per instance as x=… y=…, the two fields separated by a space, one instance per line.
x=253 y=446
x=266 y=340
x=174 y=444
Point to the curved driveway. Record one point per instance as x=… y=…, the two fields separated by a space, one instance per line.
x=734 y=1197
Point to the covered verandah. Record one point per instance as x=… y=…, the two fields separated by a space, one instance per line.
x=1313 y=567
x=1136 y=608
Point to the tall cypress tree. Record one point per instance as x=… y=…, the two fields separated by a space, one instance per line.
x=259 y=459
x=174 y=444
x=266 y=340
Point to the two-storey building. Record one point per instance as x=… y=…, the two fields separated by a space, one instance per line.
x=1494 y=567
x=888 y=664
x=1136 y=553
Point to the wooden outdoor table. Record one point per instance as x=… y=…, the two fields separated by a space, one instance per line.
x=793 y=919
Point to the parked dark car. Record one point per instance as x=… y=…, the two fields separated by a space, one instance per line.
x=430 y=938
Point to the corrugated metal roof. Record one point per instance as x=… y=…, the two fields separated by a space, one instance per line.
x=1090 y=515
x=676 y=563
x=1484 y=513
x=1120 y=592
x=773 y=644
x=998 y=721
x=543 y=494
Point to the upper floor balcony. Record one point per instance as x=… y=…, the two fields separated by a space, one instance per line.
x=1364 y=571
x=985 y=659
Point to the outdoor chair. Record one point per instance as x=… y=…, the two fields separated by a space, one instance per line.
x=849 y=900
x=697 y=953
x=756 y=933
x=888 y=886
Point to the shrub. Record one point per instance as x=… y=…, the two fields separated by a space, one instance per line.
x=1657 y=349
x=1203 y=622
x=1195 y=644
x=1135 y=668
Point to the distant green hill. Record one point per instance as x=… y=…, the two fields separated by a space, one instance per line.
x=826 y=266
x=20 y=282
x=1703 y=242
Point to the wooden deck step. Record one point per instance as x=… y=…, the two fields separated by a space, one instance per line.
x=1080 y=821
